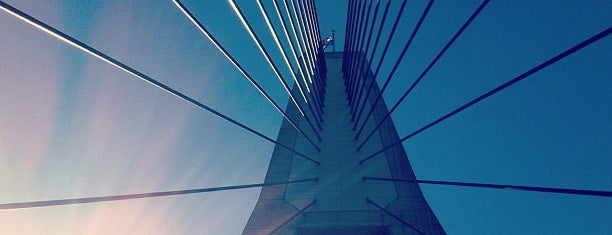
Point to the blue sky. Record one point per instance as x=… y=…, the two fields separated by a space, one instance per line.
x=74 y=126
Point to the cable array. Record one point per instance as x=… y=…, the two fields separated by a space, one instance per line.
x=305 y=61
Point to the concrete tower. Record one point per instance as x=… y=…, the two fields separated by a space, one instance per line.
x=341 y=202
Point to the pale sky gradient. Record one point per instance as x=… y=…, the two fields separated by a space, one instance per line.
x=74 y=126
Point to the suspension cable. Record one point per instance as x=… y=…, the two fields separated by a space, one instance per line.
x=83 y=200
x=431 y=64
x=90 y=50
x=507 y=84
x=600 y=193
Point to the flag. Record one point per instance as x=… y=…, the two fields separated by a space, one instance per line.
x=328 y=41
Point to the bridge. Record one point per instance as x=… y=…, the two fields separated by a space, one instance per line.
x=484 y=96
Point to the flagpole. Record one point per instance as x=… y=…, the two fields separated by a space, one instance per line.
x=333 y=44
